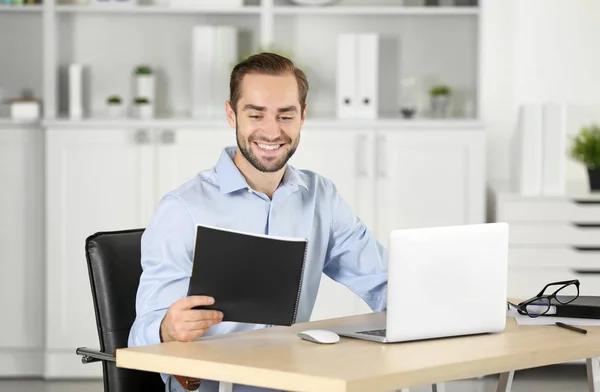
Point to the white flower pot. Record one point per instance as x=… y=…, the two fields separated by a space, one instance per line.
x=115 y=110
x=144 y=111
x=439 y=106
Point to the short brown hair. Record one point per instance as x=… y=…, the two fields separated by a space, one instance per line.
x=266 y=64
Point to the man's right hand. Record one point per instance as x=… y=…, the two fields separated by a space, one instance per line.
x=182 y=323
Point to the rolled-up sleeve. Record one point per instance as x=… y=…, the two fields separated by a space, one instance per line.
x=354 y=257
x=166 y=258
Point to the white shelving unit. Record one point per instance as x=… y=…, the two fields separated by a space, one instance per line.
x=101 y=174
x=434 y=44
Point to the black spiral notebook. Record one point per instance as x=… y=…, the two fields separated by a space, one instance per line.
x=253 y=278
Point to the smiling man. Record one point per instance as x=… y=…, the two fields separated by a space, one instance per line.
x=252 y=188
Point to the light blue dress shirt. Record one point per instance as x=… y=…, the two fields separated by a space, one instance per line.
x=305 y=205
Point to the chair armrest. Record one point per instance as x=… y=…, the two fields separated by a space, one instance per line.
x=89 y=355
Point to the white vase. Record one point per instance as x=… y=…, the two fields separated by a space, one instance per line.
x=144 y=87
x=115 y=110
x=439 y=106
x=144 y=111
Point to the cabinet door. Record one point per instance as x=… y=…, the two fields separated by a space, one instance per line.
x=429 y=178
x=343 y=156
x=97 y=180
x=183 y=153
x=21 y=252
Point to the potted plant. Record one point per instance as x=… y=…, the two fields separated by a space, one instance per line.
x=585 y=149
x=143 y=108
x=115 y=106
x=144 y=83
x=440 y=96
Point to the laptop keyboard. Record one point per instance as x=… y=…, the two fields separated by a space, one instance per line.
x=374 y=332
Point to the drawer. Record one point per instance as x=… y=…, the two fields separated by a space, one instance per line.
x=548 y=210
x=587 y=235
x=555 y=257
x=524 y=283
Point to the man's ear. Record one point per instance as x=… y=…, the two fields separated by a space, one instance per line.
x=231 y=118
x=304 y=112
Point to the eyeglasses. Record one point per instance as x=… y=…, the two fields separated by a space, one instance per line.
x=567 y=292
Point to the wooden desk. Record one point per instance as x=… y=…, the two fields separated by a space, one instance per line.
x=277 y=358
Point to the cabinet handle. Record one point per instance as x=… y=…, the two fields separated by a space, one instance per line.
x=584 y=202
x=586 y=248
x=141 y=136
x=586 y=272
x=167 y=136
x=380 y=156
x=587 y=225
x=361 y=164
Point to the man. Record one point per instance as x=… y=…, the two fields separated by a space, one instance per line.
x=251 y=188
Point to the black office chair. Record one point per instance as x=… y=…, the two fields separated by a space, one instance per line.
x=114 y=267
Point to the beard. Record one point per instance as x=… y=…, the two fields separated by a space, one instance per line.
x=270 y=166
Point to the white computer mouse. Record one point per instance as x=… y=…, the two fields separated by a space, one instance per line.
x=319 y=336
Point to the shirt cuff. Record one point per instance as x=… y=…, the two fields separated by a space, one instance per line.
x=153 y=330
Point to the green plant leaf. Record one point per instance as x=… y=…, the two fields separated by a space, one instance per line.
x=585 y=147
x=141 y=100
x=113 y=99
x=143 y=70
x=440 y=90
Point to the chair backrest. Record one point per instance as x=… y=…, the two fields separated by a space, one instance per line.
x=114 y=270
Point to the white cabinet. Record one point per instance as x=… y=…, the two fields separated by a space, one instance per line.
x=182 y=153
x=21 y=251
x=111 y=179
x=96 y=180
x=396 y=179
x=427 y=178
x=101 y=180
x=552 y=238
x=343 y=156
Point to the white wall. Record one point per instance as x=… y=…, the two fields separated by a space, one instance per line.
x=537 y=50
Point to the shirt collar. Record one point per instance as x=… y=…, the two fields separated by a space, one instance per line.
x=292 y=177
x=231 y=179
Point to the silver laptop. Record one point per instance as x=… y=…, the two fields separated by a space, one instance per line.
x=442 y=282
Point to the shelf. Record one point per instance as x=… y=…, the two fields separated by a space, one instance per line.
x=21 y=8
x=377 y=10
x=156 y=9
x=574 y=190
x=6 y=122
x=157 y=123
x=316 y=122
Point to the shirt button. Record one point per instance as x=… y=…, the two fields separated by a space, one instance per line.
x=249 y=190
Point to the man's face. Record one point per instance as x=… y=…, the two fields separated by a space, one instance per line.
x=268 y=120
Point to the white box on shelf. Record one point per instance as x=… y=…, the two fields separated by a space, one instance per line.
x=346 y=86
x=25 y=111
x=554 y=144
x=526 y=169
x=214 y=51
x=76 y=93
